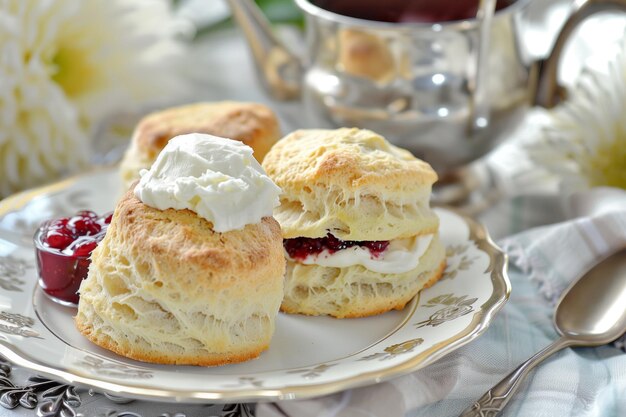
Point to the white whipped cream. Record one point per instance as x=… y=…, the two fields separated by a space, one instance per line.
x=402 y=255
x=217 y=178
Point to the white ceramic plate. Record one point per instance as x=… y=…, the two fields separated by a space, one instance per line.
x=308 y=356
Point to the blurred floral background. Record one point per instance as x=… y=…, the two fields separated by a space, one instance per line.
x=584 y=140
x=69 y=67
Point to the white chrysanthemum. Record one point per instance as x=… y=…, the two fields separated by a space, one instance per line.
x=585 y=139
x=65 y=65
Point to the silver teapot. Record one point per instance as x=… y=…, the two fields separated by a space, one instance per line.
x=445 y=91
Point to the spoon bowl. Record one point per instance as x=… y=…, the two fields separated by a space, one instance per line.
x=591 y=312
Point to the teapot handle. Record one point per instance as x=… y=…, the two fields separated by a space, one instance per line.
x=548 y=91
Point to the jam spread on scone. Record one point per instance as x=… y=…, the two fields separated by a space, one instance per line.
x=301 y=247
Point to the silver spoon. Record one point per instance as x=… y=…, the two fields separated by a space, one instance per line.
x=591 y=312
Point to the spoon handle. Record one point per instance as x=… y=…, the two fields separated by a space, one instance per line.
x=494 y=400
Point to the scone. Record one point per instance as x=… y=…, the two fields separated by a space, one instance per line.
x=359 y=235
x=169 y=286
x=253 y=124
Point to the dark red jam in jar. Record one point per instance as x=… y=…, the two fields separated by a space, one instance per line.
x=63 y=247
x=300 y=247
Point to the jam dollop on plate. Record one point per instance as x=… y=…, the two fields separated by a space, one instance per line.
x=63 y=247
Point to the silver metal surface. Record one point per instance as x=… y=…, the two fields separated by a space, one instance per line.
x=591 y=312
x=413 y=83
x=479 y=104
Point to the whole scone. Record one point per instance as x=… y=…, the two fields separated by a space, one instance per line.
x=360 y=236
x=165 y=286
x=254 y=124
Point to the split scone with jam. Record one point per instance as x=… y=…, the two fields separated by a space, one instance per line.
x=359 y=234
x=191 y=269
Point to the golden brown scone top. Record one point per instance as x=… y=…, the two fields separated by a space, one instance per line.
x=348 y=158
x=254 y=124
x=181 y=236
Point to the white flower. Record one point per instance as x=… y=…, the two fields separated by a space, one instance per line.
x=585 y=139
x=66 y=65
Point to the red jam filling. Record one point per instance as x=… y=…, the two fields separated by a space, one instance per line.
x=301 y=247
x=63 y=247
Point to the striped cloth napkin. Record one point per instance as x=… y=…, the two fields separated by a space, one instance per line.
x=556 y=255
